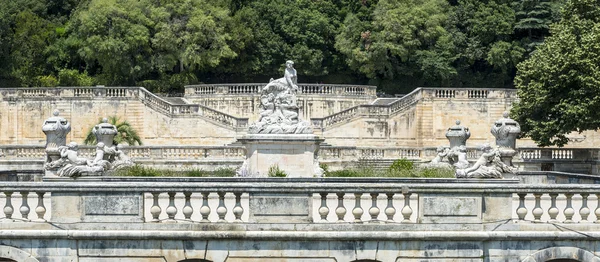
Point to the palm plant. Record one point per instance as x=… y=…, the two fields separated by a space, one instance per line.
x=125 y=133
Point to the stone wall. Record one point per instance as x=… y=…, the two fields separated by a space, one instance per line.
x=219 y=219
x=343 y=116
x=22 y=112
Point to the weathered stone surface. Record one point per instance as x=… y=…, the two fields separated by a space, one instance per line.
x=274 y=208
x=294 y=154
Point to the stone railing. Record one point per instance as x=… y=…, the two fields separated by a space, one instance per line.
x=149 y=99
x=239 y=200
x=407 y=101
x=65 y=92
x=558 y=154
x=29 y=152
x=350 y=153
x=347 y=153
x=468 y=93
x=254 y=88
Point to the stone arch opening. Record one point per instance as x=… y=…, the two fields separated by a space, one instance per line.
x=562 y=254
x=13 y=254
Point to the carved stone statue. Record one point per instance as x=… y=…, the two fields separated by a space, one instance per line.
x=438 y=161
x=489 y=165
x=71 y=165
x=506 y=132
x=279 y=111
x=457 y=157
x=56 y=129
x=108 y=157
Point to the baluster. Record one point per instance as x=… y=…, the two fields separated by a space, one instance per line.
x=340 y=211
x=522 y=210
x=569 y=211
x=221 y=210
x=357 y=211
x=24 y=206
x=238 y=210
x=390 y=211
x=537 y=210
x=597 y=211
x=8 y=208
x=171 y=209
x=553 y=211
x=374 y=210
x=187 y=210
x=155 y=210
x=584 y=211
x=406 y=210
x=323 y=210
x=40 y=210
x=205 y=209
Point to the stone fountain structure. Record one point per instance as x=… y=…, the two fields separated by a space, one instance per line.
x=506 y=131
x=280 y=138
x=458 y=136
x=56 y=129
x=64 y=160
x=494 y=162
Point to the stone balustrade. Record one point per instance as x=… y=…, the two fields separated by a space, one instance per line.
x=468 y=93
x=406 y=102
x=306 y=89
x=250 y=200
x=190 y=110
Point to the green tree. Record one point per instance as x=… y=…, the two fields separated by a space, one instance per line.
x=189 y=34
x=280 y=30
x=559 y=86
x=115 y=35
x=125 y=133
x=405 y=38
x=533 y=20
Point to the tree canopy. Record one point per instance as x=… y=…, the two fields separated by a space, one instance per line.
x=163 y=45
x=559 y=85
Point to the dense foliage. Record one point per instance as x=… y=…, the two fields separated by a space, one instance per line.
x=559 y=86
x=165 y=44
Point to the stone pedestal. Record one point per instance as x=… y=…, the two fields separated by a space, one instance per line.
x=292 y=153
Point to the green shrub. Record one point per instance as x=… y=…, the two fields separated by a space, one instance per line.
x=138 y=170
x=274 y=171
x=141 y=171
x=72 y=77
x=402 y=165
x=438 y=172
x=47 y=81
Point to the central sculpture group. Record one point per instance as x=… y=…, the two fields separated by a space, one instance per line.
x=279 y=111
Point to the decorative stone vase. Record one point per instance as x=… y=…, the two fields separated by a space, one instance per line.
x=56 y=129
x=105 y=132
x=506 y=131
x=458 y=135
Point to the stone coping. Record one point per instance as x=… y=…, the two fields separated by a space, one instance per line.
x=284 y=188
x=280 y=138
x=323 y=180
x=298 y=235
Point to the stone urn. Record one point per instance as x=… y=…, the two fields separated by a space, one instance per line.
x=458 y=135
x=506 y=131
x=105 y=132
x=56 y=129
